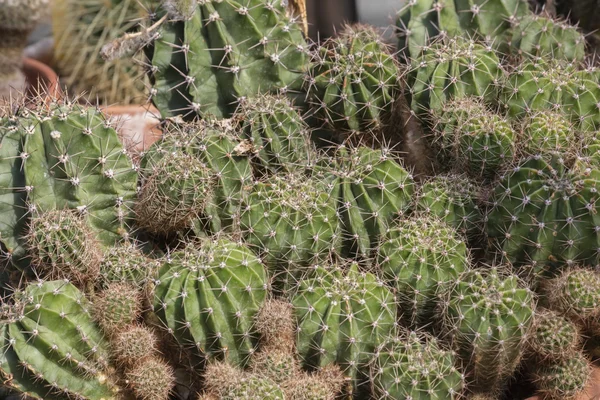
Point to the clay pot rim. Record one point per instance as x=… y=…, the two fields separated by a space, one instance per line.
x=41 y=79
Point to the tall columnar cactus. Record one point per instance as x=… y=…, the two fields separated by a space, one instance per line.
x=413 y=366
x=549 y=131
x=279 y=135
x=343 y=315
x=576 y=294
x=453 y=70
x=565 y=379
x=488 y=317
x=290 y=219
x=540 y=37
x=371 y=189
x=207 y=56
x=472 y=138
x=17 y=20
x=207 y=295
x=553 y=337
x=419 y=256
x=455 y=200
x=353 y=81
x=545 y=214
x=51 y=345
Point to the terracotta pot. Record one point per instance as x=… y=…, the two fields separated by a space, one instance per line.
x=138 y=125
x=41 y=80
x=592 y=392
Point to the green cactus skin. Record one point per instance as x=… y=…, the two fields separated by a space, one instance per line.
x=353 y=82
x=453 y=70
x=564 y=380
x=216 y=144
x=55 y=343
x=576 y=294
x=343 y=314
x=490 y=19
x=204 y=62
x=473 y=138
x=207 y=297
x=280 y=137
x=419 y=257
x=549 y=131
x=116 y=307
x=151 y=379
x=225 y=382
x=372 y=190
x=554 y=337
x=488 y=318
x=455 y=200
x=414 y=366
x=61 y=245
x=290 y=219
x=126 y=263
x=544 y=214
x=178 y=190
x=540 y=37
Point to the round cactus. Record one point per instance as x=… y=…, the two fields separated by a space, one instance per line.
x=419 y=257
x=549 y=131
x=62 y=245
x=225 y=382
x=488 y=316
x=343 y=314
x=564 y=380
x=151 y=379
x=454 y=200
x=575 y=293
x=325 y=384
x=472 y=138
x=207 y=296
x=117 y=306
x=353 y=81
x=127 y=264
x=132 y=345
x=414 y=366
x=553 y=336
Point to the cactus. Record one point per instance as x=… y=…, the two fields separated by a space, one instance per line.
x=544 y=214
x=414 y=366
x=290 y=219
x=473 y=138
x=80 y=29
x=576 y=294
x=419 y=256
x=554 y=337
x=343 y=314
x=353 y=82
x=540 y=37
x=225 y=382
x=322 y=385
x=61 y=245
x=280 y=137
x=372 y=189
x=116 y=307
x=455 y=200
x=565 y=380
x=453 y=70
x=206 y=57
x=51 y=343
x=151 y=379
x=549 y=131
x=126 y=263
x=207 y=296
x=488 y=317
x=132 y=344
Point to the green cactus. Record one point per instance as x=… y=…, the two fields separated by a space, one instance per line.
x=453 y=70
x=126 y=263
x=290 y=219
x=488 y=317
x=553 y=337
x=151 y=379
x=51 y=343
x=544 y=214
x=576 y=294
x=353 y=82
x=455 y=200
x=415 y=366
x=116 y=307
x=472 y=138
x=372 y=190
x=564 y=380
x=207 y=296
x=343 y=314
x=540 y=37
x=280 y=137
x=225 y=382
x=549 y=131
x=206 y=57
x=132 y=344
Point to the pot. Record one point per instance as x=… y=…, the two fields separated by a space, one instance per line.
x=138 y=125
x=41 y=80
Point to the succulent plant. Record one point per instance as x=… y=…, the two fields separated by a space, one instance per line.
x=126 y=263
x=207 y=295
x=549 y=131
x=488 y=316
x=553 y=337
x=415 y=366
x=564 y=379
x=225 y=382
x=419 y=257
x=117 y=307
x=132 y=344
x=576 y=294
x=151 y=379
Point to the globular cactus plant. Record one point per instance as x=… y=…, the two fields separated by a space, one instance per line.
x=488 y=315
x=553 y=337
x=51 y=345
x=151 y=379
x=565 y=379
x=116 y=307
x=419 y=257
x=353 y=82
x=576 y=294
x=472 y=138
x=343 y=315
x=225 y=382
x=415 y=366
x=126 y=263
x=549 y=131
x=207 y=295
x=132 y=344
x=207 y=56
